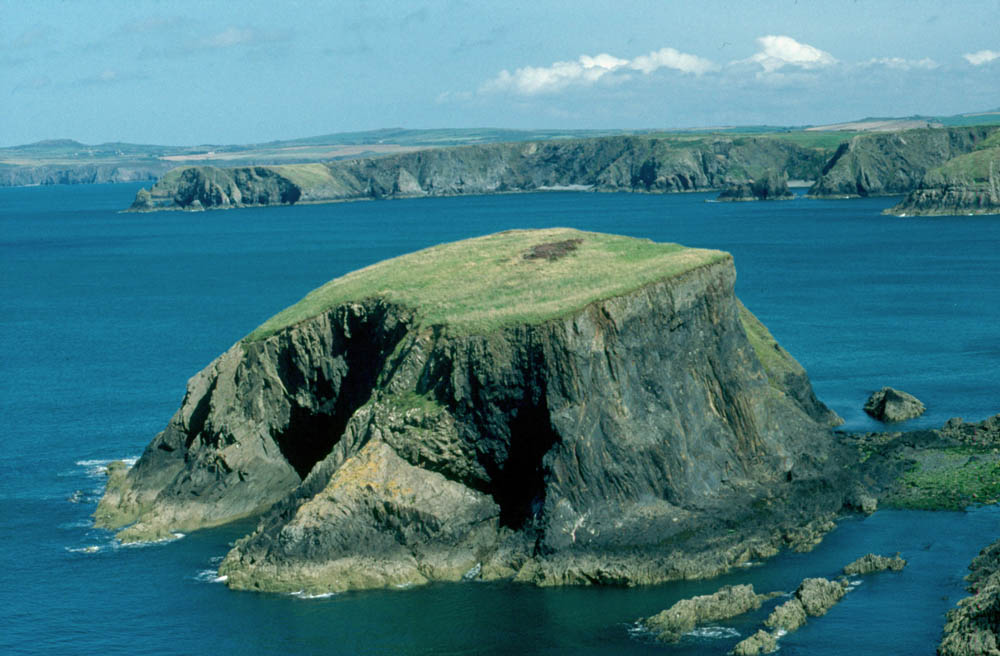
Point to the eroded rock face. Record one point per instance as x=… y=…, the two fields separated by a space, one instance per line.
x=616 y=445
x=669 y=625
x=892 y=405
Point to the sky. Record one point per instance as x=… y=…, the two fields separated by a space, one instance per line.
x=208 y=72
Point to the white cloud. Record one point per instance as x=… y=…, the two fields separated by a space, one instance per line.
x=779 y=51
x=670 y=58
x=981 y=57
x=231 y=36
x=531 y=80
x=903 y=64
x=587 y=70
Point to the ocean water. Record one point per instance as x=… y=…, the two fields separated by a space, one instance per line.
x=104 y=316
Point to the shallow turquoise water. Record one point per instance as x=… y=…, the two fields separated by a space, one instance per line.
x=106 y=315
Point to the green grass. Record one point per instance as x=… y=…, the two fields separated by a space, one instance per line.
x=777 y=362
x=972 y=167
x=949 y=479
x=479 y=285
x=304 y=175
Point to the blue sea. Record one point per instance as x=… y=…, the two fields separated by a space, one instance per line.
x=104 y=316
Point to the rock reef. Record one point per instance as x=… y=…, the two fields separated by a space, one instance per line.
x=669 y=625
x=973 y=627
x=606 y=413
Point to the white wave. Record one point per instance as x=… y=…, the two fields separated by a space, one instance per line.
x=638 y=630
x=301 y=594
x=82 y=523
x=97 y=468
x=173 y=537
x=215 y=560
x=714 y=632
x=89 y=549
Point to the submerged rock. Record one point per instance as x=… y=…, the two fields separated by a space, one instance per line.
x=873 y=563
x=669 y=625
x=603 y=414
x=891 y=405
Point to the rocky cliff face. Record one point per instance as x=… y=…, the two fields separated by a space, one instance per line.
x=968 y=184
x=631 y=439
x=884 y=164
x=19 y=176
x=636 y=164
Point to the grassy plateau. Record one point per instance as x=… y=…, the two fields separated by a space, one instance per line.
x=520 y=276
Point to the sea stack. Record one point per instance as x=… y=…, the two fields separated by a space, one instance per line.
x=551 y=406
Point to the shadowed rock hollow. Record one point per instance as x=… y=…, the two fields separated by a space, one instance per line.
x=553 y=406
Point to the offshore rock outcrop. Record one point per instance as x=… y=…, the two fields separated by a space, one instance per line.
x=769 y=186
x=870 y=563
x=969 y=184
x=629 y=438
x=885 y=164
x=892 y=405
x=670 y=624
x=634 y=164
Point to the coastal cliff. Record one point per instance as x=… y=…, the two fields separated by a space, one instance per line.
x=634 y=164
x=884 y=164
x=551 y=406
x=968 y=184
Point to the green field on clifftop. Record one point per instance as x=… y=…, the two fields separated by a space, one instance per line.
x=519 y=276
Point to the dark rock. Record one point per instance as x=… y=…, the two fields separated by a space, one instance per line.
x=769 y=186
x=873 y=563
x=891 y=405
x=669 y=625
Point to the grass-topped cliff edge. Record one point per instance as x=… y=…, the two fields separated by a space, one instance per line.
x=518 y=276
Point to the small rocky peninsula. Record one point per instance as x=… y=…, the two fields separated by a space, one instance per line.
x=578 y=409
x=766 y=186
x=889 y=163
x=968 y=184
